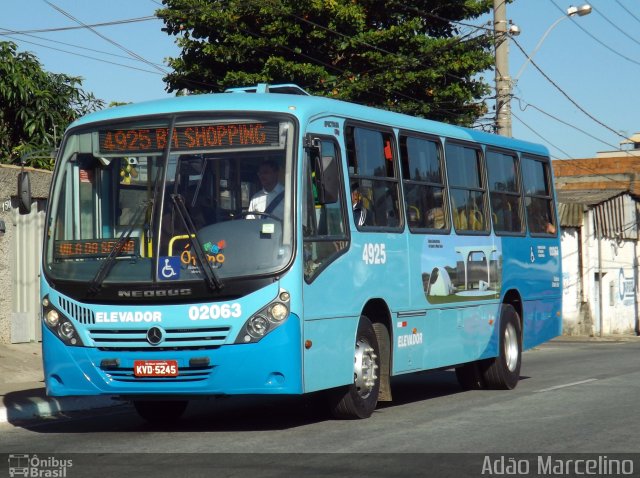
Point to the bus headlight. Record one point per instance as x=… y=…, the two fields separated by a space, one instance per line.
x=59 y=324
x=66 y=330
x=279 y=312
x=266 y=320
x=257 y=326
x=52 y=317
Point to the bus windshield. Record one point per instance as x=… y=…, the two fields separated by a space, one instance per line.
x=172 y=200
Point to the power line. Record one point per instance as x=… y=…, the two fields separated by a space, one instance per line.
x=540 y=136
x=627 y=10
x=87 y=56
x=9 y=33
x=564 y=93
x=133 y=54
x=569 y=157
x=94 y=25
x=613 y=24
x=579 y=166
x=527 y=105
x=612 y=50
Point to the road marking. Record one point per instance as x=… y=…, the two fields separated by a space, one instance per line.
x=568 y=385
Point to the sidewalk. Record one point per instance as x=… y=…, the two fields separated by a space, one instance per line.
x=22 y=392
x=23 y=397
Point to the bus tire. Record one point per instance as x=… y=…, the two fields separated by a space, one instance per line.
x=469 y=376
x=503 y=372
x=359 y=399
x=160 y=412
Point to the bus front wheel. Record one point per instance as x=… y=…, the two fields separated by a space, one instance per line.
x=503 y=372
x=160 y=412
x=359 y=399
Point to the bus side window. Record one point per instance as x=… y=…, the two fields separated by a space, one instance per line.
x=504 y=192
x=373 y=178
x=423 y=183
x=538 y=200
x=323 y=225
x=466 y=186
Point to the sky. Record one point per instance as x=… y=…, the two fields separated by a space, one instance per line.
x=582 y=98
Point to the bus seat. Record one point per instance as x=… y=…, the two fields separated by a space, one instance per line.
x=476 y=220
x=413 y=215
x=460 y=220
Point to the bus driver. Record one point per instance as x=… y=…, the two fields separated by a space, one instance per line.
x=269 y=198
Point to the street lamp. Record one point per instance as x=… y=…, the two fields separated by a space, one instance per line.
x=504 y=82
x=572 y=11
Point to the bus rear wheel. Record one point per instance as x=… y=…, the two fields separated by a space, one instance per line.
x=160 y=412
x=503 y=372
x=359 y=399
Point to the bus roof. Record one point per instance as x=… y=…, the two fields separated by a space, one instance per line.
x=306 y=107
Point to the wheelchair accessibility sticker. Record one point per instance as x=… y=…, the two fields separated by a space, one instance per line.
x=169 y=268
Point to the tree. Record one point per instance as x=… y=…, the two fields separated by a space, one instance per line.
x=36 y=106
x=407 y=56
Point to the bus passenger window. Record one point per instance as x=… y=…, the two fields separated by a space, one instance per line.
x=373 y=179
x=538 y=200
x=504 y=190
x=423 y=183
x=466 y=186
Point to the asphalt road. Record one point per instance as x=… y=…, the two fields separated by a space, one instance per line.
x=573 y=397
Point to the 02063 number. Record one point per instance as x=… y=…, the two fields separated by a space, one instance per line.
x=374 y=253
x=215 y=311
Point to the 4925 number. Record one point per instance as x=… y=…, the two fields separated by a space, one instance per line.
x=374 y=253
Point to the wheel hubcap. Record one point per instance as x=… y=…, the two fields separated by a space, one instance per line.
x=365 y=368
x=511 y=350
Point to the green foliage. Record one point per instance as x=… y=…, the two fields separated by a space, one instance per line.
x=403 y=56
x=35 y=107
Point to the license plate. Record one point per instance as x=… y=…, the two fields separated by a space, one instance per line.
x=155 y=368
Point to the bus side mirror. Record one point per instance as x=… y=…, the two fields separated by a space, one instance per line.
x=24 y=192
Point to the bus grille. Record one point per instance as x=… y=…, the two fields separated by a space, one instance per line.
x=81 y=314
x=174 y=339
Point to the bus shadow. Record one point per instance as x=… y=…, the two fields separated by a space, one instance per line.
x=427 y=385
x=251 y=413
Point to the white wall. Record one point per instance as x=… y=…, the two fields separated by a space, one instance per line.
x=619 y=272
x=572 y=321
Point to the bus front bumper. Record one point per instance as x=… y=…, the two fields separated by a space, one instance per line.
x=270 y=366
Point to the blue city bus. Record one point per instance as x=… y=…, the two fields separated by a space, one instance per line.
x=400 y=245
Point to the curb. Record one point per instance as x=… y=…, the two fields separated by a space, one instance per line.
x=591 y=339
x=34 y=408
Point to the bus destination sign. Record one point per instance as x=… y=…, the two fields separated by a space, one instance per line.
x=93 y=248
x=189 y=138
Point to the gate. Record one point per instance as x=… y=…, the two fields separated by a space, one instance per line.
x=25 y=270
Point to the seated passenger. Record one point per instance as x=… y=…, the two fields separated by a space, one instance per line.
x=359 y=210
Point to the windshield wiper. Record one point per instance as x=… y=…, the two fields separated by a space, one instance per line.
x=212 y=279
x=107 y=264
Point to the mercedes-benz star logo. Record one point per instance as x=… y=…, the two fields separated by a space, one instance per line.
x=155 y=335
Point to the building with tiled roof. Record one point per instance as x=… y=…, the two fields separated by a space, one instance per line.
x=598 y=211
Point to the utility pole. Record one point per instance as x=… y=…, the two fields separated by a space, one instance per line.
x=503 y=80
